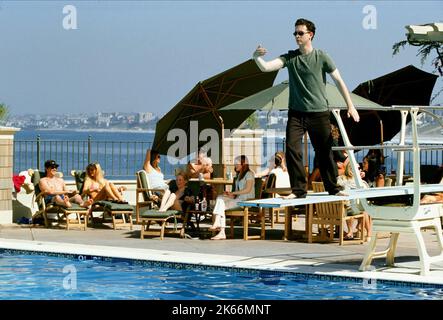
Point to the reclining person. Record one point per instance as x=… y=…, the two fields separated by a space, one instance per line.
x=54 y=188
x=98 y=188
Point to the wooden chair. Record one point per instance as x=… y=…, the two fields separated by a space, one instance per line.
x=334 y=214
x=72 y=216
x=247 y=214
x=274 y=213
x=121 y=214
x=147 y=213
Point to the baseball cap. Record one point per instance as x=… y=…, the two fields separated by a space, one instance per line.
x=51 y=164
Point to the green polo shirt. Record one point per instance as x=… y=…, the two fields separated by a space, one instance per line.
x=307 y=79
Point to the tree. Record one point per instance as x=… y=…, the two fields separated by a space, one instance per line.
x=425 y=49
x=252 y=121
x=3 y=112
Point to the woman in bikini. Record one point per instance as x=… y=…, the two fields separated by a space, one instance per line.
x=98 y=188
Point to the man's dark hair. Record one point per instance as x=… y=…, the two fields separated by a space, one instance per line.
x=309 y=25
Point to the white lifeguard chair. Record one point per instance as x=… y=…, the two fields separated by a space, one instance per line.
x=405 y=218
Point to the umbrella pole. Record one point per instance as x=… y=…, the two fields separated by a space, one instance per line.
x=305 y=141
x=381 y=142
x=222 y=146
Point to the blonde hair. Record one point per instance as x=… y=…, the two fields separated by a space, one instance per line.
x=335 y=132
x=348 y=171
x=99 y=176
x=182 y=173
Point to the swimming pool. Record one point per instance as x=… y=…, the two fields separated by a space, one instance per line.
x=68 y=277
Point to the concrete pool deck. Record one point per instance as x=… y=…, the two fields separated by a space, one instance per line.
x=271 y=254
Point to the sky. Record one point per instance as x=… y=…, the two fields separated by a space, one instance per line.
x=144 y=56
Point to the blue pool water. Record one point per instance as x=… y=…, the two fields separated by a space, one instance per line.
x=51 y=277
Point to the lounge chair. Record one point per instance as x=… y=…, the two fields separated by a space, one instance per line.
x=114 y=210
x=146 y=211
x=247 y=214
x=72 y=216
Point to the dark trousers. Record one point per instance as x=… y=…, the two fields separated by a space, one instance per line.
x=319 y=129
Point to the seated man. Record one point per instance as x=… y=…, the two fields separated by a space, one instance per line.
x=203 y=166
x=54 y=188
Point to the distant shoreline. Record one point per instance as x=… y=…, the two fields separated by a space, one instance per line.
x=94 y=130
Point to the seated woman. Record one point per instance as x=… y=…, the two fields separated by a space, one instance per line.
x=98 y=188
x=245 y=189
x=279 y=169
x=155 y=175
x=178 y=196
x=347 y=182
x=373 y=169
x=203 y=166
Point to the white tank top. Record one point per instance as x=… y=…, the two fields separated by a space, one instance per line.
x=157 y=180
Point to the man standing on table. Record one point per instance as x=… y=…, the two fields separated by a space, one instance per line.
x=308 y=106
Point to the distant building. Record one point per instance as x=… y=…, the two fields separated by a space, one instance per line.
x=104 y=119
x=76 y=119
x=145 y=117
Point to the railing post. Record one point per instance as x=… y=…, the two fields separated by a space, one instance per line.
x=89 y=149
x=38 y=152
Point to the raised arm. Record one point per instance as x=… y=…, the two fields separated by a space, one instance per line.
x=266 y=66
x=147 y=164
x=352 y=112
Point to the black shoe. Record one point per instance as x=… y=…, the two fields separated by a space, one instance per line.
x=336 y=190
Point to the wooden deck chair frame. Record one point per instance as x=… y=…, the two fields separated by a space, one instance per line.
x=249 y=213
x=144 y=198
x=108 y=208
x=61 y=212
x=274 y=213
x=334 y=214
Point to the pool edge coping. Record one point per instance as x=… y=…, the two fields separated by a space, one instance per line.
x=310 y=267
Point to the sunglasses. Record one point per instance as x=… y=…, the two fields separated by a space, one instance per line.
x=300 y=33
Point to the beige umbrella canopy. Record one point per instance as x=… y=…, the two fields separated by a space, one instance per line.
x=277 y=97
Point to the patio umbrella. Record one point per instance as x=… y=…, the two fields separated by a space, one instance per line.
x=406 y=86
x=203 y=104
